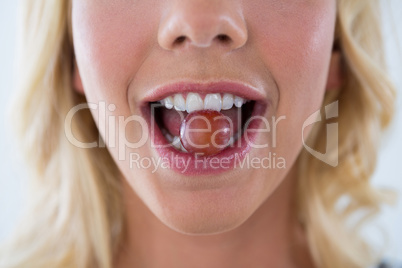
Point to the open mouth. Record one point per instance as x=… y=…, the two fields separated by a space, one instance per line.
x=170 y=112
x=167 y=110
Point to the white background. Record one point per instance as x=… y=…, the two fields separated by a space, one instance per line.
x=388 y=173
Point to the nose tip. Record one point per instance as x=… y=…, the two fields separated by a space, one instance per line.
x=202 y=24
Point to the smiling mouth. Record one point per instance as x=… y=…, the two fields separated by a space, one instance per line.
x=166 y=107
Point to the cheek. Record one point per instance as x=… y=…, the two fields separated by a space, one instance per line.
x=295 y=43
x=111 y=40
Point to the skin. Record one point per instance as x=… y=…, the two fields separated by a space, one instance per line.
x=243 y=217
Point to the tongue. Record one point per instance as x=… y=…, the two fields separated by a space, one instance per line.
x=172 y=119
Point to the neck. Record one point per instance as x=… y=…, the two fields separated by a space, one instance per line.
x=269 y=238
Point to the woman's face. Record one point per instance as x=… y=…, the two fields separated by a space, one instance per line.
x=132 y=54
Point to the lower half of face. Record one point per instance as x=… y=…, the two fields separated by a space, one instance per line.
x=151 y=67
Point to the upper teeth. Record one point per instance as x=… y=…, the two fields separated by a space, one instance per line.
x=194 y=102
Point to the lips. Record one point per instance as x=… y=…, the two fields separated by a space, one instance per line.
x=238 y=89
x=165 y=108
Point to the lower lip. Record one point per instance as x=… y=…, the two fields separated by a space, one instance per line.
x=190 y=164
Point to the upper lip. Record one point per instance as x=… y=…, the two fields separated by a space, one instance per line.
x=243 y=90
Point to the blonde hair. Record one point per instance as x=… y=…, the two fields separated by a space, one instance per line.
x=76 y=217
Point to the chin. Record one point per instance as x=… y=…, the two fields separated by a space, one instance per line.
x=205 y=221
x=206 y=208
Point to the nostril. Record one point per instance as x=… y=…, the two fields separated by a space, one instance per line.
x=180 y=40
x=202 y=41
x=223 y=38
